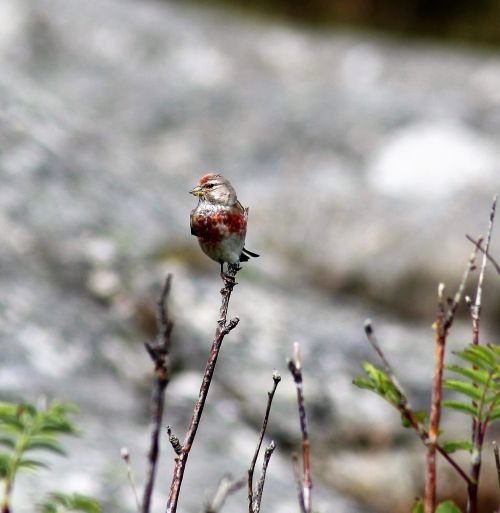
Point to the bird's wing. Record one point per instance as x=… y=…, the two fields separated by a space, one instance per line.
x=193 y=228
x=243 y=209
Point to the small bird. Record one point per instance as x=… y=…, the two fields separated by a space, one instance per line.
x=220 y=221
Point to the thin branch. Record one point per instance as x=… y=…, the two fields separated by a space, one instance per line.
x=298 y=481
x=226 y=487
x=404 y=406
x=270 y=396
x=497 y=460
x=450 y=314
x=476 y=308
x=159 y=353
x=294 y=366
x=260 y=485
x=493 y=262
x=223 y=328
x=475 y=311
x=442 y=325
x=441 y=331
x=130 y=476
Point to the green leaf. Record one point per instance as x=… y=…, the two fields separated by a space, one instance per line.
x=7 y=441
x=11 y=423
x=419 y=414
x=30 y=464
x=58 y=425
x=448 y=507
x=464 y=388
x=475 y=358
x=455 y=445
x=484 y=352
x=461 y=407
x=382 y=383
x=495 y=348
x=58 y=502
x=5 y=463
x=418 y=507
x=362 y=382
x=495 y=414
x=46 y=444
x=475 y=375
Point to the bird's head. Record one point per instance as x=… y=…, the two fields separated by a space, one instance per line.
x=215 y=189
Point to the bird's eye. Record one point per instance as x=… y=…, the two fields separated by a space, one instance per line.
x=210 y=185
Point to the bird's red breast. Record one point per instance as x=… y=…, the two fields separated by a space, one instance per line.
x=215 y=225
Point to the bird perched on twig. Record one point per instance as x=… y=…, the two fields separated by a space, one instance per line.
x=220 y=221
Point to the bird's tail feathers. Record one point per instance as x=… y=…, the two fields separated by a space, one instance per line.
x=246 y=254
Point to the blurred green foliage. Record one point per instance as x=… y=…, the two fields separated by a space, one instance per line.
x=26 y=429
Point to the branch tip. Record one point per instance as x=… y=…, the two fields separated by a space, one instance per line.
x=125 y=454
x=296 y=355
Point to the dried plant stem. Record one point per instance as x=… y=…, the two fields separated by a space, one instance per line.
x=430 y=475
x=477 y=427
x=226 y=487
x=476 y=308
x=270 y=396
x=130 y=476
x=298 y=481
x=223 y=328
x=159 y=353
x=260 y=485
x=294 y=366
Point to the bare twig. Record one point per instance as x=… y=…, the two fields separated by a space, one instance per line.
x=442 y=325
x=404 y=406
x=159 y=353
x=477 y=243
x=298 y=481
x=450 y=314
x=130 y=476
x=270 y=395
x=477 y=427
x=497 y=460
x=260 y=485
x=223 y=328
x=226 y=487
x=476 y=308
x=294 y=366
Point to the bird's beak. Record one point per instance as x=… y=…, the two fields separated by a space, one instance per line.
x=196 y=191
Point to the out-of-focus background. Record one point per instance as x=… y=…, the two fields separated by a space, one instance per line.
x=363 y=136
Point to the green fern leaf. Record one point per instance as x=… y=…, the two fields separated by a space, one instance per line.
x=455 y=445
x=479 y=377
x=464 y=388
x=30 y=464
x=461 y=407
x=46 y=444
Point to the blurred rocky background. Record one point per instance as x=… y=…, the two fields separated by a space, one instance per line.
x=364 y=158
